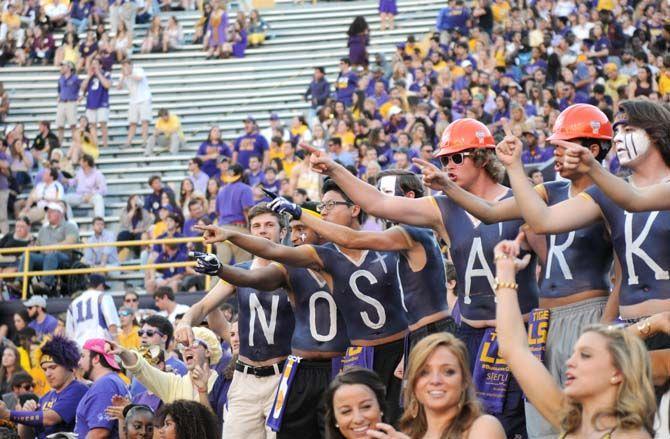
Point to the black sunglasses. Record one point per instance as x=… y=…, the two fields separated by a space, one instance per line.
x=149 y=332
x=457 y=158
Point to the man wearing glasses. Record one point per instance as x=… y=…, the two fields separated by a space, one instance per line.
x=22 y=383
x=157 y=331
x=468 y=157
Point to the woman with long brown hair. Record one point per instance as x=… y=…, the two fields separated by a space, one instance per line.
x=440 y=399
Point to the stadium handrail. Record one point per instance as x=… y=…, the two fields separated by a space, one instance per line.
x=26 y=275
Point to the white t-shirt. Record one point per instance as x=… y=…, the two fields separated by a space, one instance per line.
x=179 y=309
x=90 y=316
x=51 y=191
x=138 y=90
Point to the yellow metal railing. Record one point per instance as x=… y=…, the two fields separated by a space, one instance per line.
x=26 y=275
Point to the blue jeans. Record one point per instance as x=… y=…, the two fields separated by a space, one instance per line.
x=46 y=261
x=80 y=25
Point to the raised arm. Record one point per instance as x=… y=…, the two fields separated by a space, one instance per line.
x=572 y=214
x=198 y=311
x=393 y=239
x=534 y=379
x=654 y=197
x=487 y=211
x=415 y=211
x=303 y=256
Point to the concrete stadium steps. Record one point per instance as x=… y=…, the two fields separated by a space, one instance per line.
x=271 y=78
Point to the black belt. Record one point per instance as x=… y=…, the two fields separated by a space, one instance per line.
x=259 y=371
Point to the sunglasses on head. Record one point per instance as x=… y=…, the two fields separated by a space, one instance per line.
x=149 y=332
x=125 y=313
x=457 y=158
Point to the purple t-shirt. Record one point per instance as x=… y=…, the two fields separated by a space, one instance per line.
x=91 y=408
x=209 y=166
x=179 y=256
x=249 y=145
x=231 y=202
x=65 y=404
x=68 y=88
x=97 y=96
x=255 y=179
x=47 y=327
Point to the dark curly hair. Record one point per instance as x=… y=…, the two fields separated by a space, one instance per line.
x=193 y=420
x=64 y=352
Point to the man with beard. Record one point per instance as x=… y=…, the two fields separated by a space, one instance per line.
x=99 y=366
x=56 y=410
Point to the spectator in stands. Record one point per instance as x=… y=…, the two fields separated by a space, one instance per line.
x=139 y=111
x=11 y=22
x=166 y=276
x=57 y=231
x=128 y=336
x=232 y=204
x=68 y=52
x=237 y=43
x=249 y=144
x=211 y=149
x=204 y=353
x=152 y=201
x=157 y=331
x=57 y=11
x=21 y=384
x=387 y=12
x=46 y=191
x=186 y=191
x=154 y=37
x=122 y=43
x=167 y=133
x=68 y=94
x=41 y=322
x=9 y=366
x=532 y=152
x=197 y=176
x=359 y=38
x=5 y=175
x=83 y=142
x=336 y=151
x=90 y=186
x=96 y=88
x=275 y=128
x=45 y=141
x=122 y=12
x=304 y=177
x=21 y=237
x=134 y=221
x=164 y=299
x=43 y=47
x=346 y=83
x=254 y=175
x=20 y=162
x=213 y=187
x=196 y=211
x=257 y=29
x=173 y=37
x=100 y=256
x=217 y=28
x=100 y=367
x=93 y=313
x=201 y=25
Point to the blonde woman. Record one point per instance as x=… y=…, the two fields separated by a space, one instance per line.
x=440 y=399
x=608 y=390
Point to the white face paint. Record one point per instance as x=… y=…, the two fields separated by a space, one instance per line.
x=387 y=184
x=630 y=143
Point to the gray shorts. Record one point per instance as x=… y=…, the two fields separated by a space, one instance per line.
x=566 y=324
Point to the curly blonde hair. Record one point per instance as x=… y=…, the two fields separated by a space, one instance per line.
x=486 y=158
x=413 y=421
x=635 y=405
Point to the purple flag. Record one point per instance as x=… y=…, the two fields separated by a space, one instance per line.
x=283 y=389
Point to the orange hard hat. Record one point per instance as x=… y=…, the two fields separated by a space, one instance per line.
x=464 y=134
x=582 y=121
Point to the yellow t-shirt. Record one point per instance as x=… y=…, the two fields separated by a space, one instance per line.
x=500 y=11
x=607 y=5
x=275 y=152
x=11 y=20
x=664 y=83
x=130 y=340
x=170 y=125
x=288 y=166
x=611 y=86
x=347 y=138
x=159 y=228
x=70 y=54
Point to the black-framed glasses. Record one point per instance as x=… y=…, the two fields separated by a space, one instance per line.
x=27 y=386
x=322 y=207
x=457 y=158
x=149 y=332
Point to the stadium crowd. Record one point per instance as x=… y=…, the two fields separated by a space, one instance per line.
x=375 y=278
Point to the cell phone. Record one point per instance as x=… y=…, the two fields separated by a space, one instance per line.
x=270 y=195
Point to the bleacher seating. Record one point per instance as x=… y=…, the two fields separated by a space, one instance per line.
x=271 y=78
